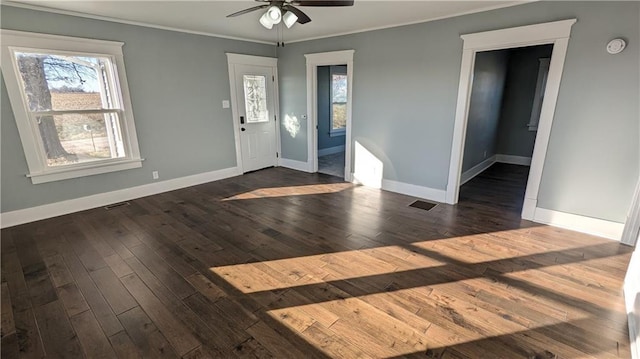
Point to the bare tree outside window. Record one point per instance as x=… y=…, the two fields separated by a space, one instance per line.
x=338 y=101
x=67 y=97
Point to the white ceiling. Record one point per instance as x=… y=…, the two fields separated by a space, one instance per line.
x=209 y=17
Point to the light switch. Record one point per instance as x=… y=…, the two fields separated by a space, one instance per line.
x=225 y=104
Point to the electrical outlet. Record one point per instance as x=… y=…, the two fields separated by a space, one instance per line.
x=485 y=154
x=155 y=175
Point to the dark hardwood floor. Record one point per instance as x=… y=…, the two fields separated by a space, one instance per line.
x=284 y=264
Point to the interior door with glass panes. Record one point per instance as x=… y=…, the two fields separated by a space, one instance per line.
x=256 y=116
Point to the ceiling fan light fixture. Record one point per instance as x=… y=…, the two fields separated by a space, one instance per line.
x=274 y=14
x=289 y=19
x=266 y=21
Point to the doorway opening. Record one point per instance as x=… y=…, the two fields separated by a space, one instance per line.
x=329 y=104
x=332 y=118
x=554 y=33
x=504 y=112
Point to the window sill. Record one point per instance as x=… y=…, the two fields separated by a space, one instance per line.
x=89 y=170
x=337 y=133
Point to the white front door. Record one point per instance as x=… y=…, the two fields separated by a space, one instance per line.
x=256 y=117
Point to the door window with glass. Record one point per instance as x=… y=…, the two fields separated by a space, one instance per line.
x=255 y=95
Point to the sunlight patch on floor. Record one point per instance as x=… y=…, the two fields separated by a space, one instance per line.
x=291 y=191
x=394 y=301
x=428 y=262
x=400 y=323
x=290 y=272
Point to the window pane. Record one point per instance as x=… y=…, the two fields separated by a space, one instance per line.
x=77 y=138
x=55 y=82
x=255 y=98
x=339 y=88
x=339 y=116
x=339 y=101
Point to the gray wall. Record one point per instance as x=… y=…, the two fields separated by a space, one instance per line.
x=405 y=87
x=177 y=84
x=324 y=107
x=489 y=75
x=514 y=137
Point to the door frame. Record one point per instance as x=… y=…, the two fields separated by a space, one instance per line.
x=240 y=59
x=326 y=59
x=556 y=33
x=632 y=224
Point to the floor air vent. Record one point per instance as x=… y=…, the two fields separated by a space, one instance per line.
x=422 y=205
x=116 y=205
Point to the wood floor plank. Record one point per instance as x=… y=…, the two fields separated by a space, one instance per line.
x=145 y=335
x=58 y=270
x=203 y=329
x=274 y=342
x=27 y=335
x=226 y=335
x=117 y=265
x=9 y=347
x=7 y=323
x=124 y=346
x=101 y=309
x=72 y=299
x=9 y=261
x=58 y=337
x=332 y=344
x=174 y=281
x=112 y=290
x=206 y=287
x=86 y=253
x=175 y=332
x=280 y=263
x=94 y=343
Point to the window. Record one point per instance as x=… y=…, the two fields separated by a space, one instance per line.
x=255 y=94
x=71 y=105
x=338 y=103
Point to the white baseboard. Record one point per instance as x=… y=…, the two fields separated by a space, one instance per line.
x=330 y=150
x=295 y=165
x=589 y=225
x=14 y=218
x=431 y=194
x=469 y=174
x=514 y=160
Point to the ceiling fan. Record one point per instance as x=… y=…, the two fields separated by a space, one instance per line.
x=284 y=10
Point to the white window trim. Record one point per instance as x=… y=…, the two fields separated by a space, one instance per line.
x=39 y=172
x=340 y=131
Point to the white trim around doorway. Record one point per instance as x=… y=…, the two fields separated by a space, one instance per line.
x=326 y=59
x=556 y=33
